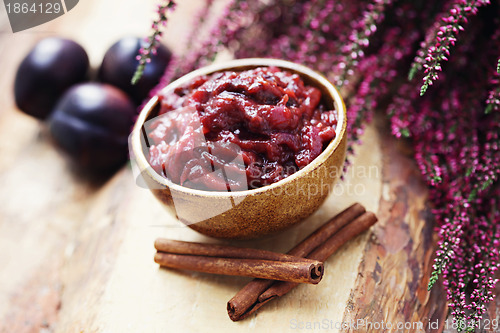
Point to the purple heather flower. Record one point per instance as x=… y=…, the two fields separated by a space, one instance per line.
x=445 y=37
x=153 y=41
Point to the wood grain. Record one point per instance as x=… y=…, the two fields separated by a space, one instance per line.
x=393 y=277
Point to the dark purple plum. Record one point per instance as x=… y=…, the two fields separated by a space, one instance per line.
x=120 y=63
x=51 y=67
x=91 y=123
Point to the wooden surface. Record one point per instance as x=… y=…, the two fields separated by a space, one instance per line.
x=77 y=256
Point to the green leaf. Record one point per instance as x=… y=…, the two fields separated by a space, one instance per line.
x=138 y=73
x=423 y=89
x=437 y=179
x=433 y=279
x=412 y=73
x=486 y=184
x=472 y=195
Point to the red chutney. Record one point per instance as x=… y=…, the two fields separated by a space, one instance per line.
x=266 y=117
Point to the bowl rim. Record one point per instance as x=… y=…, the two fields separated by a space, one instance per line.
x=144 y=166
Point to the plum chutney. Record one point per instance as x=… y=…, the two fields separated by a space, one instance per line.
x=266 y=117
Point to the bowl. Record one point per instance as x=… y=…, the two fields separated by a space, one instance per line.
x=256 y=212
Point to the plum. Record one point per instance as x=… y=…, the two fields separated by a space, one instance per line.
x=49 y=69
x=120 y=63
x=91 y=123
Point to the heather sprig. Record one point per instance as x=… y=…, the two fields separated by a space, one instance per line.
x=449 y=242
x=401 y=110
x=493 y=100
x=446 y=37
x=153 y=41
x=317 y=11
x=377 y=72
x=359 y=38
x=430 y=36
x=475 y=265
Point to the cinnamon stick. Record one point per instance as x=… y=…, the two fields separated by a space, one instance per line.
x=243 y=303
x=230 y=260
x=223 y=251
x=320 y=235
x=359 y=225
x=320 y=244
x=297 y=272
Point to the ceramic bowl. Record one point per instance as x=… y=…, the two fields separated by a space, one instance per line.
x=256 y=212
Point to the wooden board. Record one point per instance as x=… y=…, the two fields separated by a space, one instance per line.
x=77 y=256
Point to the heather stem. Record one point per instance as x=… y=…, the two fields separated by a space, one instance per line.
x=153 y=41
x=447 y=37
